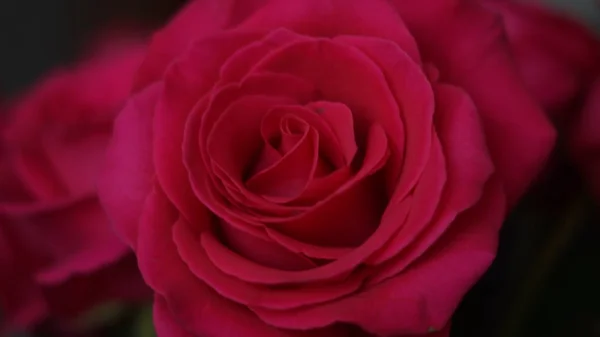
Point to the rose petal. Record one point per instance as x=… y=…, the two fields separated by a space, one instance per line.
x=83 y=249
x=21 y=299
x=119 y=281
x=416 y=300
x=276 y=85
x=370 y=102
x=197 y=307
x=461 y=134
x=185 y=83
x=67 y=247
x=324 y=186
x=468 y=168
x=288 y=178
x=556 y=55
x=329 y=222
x=466 y=43
x=265 y=252
x=341 y=121
x=307 y=249
x=254 y=273
x=78 y=162
x=412 y=92
x=246 y=293
x=164 y=321
x=39 y=176
x=240 y=121
x=428 y=188
x=585 y=139
x=329 y=145
x=127 y=174
x=335 y=17
x=197 y=20
x=241 y=63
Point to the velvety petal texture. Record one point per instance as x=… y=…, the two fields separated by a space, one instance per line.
x=283 y=165
x=60 y=256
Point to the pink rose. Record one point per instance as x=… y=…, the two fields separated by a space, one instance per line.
x=557 y=55
x=320 y=168
x=58 y=254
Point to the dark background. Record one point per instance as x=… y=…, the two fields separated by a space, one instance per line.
x=545 y=280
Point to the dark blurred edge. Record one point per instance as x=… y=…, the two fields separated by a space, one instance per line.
x=37 y=35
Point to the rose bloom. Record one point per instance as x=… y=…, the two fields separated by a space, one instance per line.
x=58 y=254
x=320 y=168
x=557 y=55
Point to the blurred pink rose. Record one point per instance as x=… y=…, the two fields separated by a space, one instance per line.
x=557 y=55
x=58 y=254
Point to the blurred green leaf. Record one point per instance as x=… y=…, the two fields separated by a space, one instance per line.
x=102 y=315
x=144 y=325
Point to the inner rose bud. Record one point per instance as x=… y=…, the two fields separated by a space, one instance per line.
x=291 y=147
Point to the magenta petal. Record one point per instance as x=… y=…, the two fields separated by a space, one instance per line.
x=328 y=222
x=330 y=148
x=77 y=162
x=194 y=305
x=307 y=249
x=165 y=323
x=283 y=298
x=557 y=55
x=340 y=120
x=241 y=63
x=415 y=301
x=355 y=80
x=391 y=89
x=38 y=176
x=254 y=273
x=413 y=93
x=70 y=241
x=425 y=198
x=462 y=136
x=466 y=168
x=186 y=81
x=467 y=44
x=201 y=123
x=21 y=298
x=288 y=178
x=78 y=240
x=375 y=158
x=234 y=140
x=322 y=187
x=334 y=17
x=265 y=252
x=128 y=170
x=197 y=20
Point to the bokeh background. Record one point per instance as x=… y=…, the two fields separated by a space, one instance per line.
x=546 y=279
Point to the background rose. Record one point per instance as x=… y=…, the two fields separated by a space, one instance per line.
x=286 y=166
x=558 y=57
x=59 y=256
x=585 y=141
x=556 y=54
